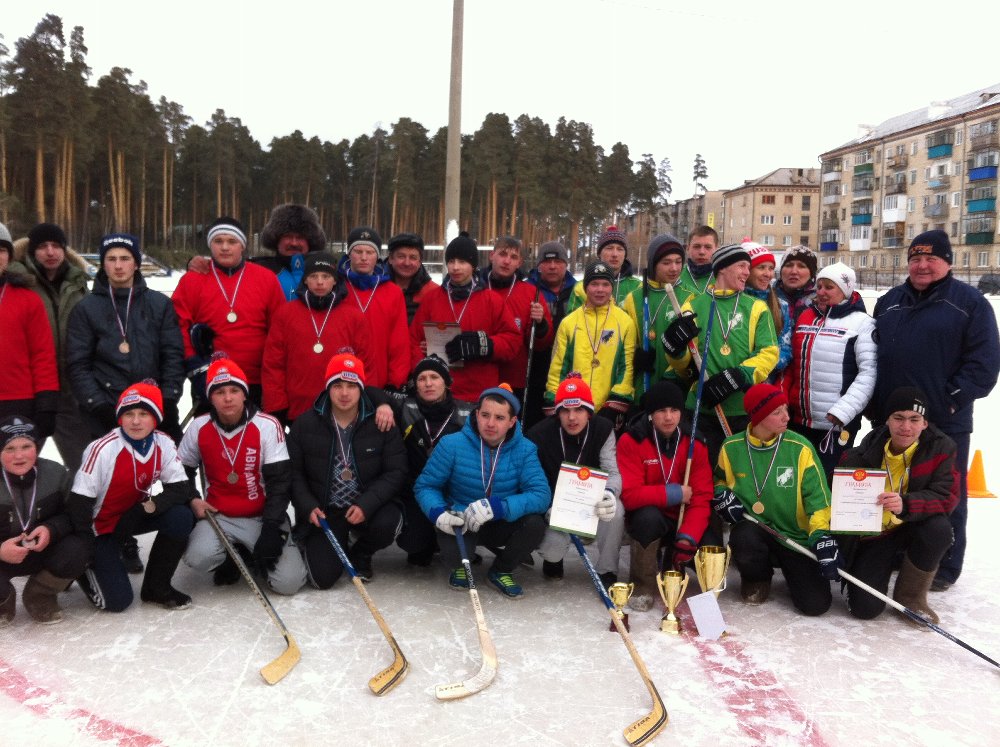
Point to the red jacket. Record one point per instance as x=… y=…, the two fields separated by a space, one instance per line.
x=483 y=311
x=385 y=311
x=294 y=373
x=642 y=478
x=518 y=299
x=199 y=299
x=29 y=351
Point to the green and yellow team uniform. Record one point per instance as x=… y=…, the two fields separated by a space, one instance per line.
x=688 y=285
x=623 y=287
x=661 y=313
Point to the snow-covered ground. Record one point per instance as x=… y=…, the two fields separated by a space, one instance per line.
x=148 y=677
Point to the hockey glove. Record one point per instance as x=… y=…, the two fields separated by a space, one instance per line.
x=680 y=332
x=684 y=550
x=269 y=545
x=449 y=521
x=202 y=339
x=46 y=407
x=469 y=346
x=721 y=385
x=727 y=506
x=479 y=512
x=606 y=507
x=197 y=371
x=615 y=415
x=828 y=556
x=644 y=361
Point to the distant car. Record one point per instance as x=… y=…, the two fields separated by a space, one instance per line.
x=989 y=283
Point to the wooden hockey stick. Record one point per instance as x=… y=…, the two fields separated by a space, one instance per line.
x=392 y=675
x=277 y=669
x=649 y=725
x=488 y=671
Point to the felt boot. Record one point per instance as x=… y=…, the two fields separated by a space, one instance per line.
x=642 y=572
x=912 y=585
x=40 y=597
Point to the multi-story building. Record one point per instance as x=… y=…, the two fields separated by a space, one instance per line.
x=683 y=216
x=935 y=167
x=780 y=209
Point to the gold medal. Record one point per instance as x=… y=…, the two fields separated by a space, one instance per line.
x=123 y=347
x=232 y=478
x=318 y=348
x=758 y=507
x=725 y=349
x=346 y=475
x=231 y=316
x=148 y=506
x=651 y=335
x=595 y=363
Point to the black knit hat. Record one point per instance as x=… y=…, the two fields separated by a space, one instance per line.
x=611 y=235
x=462 y=247
x=292 y=218
x=320 y=262
x=45 y=232
x=663 y=394
x=16 y=426
x=905 y=399
x=433 y=363
x=121 y=241
x=659 y=247
x=729 y=255
x=803 y=254
x=365 y=236
x=935 y=243
x=597 y=271
x=407 y=240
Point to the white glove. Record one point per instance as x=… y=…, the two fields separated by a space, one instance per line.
x=606 y=507
x=478 y=513
x=449 y=521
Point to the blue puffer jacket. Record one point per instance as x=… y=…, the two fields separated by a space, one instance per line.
x=785 y=339
x=453 y=477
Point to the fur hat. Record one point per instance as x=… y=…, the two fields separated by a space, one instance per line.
x=574 y=392
x=407 y=240
x=121 y=241
x=225 y=224
x=761 y=400
x=840 y=275
x=803 y=254
x=223 y=371
x=934 y=242
x=45 y=232
x=659 y=247
x=364 y=236
x=145 y=395
x=905 y=399
x=552 y=250
x=462 y=247
x=729 y=255
x=345 y=366
x=597 y=271
x=17 y=426
x=611 y=235
x=505 y=393
x=433 y=362
x=291 y=218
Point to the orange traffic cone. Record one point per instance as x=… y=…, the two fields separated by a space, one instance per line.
x=976 y=480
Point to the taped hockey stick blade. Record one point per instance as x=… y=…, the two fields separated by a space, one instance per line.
x=275 y=671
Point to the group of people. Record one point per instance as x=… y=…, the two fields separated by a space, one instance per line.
x=364 y=395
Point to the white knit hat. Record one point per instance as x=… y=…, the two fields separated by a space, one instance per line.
x=840 y=275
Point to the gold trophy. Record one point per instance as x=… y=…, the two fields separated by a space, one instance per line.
x=711 y=563
x=672 y=585
x=620 y=593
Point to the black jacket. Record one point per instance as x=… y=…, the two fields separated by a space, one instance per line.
x=50 y=502
x=545 y=434
x=98 y=371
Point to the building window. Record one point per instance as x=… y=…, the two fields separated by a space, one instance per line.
x=956 y=168
x=909 y=232
x=927 y=173
x=959 y=136
x=767 y=220
x=806 y=202
x=913 y=148
x=984 y=259
x=895 y=260
x=804 y=240
x=804 y=223
x=789 y=199
x=965 y=259
x=954 y=229
x=767 y=240
x=882 y=261
x=787 y=220
x=767 y=199
x=786 y=240
x=864 y=260
x=956 y=199
x=913 y=176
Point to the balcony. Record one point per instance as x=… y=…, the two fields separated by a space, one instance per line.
x=985 y=205
x=936 y=210
x=983 y=140
x=899 y=188
x=896 y=162
x=861 y=219
x=828 y=246
x=830 y=224
x=979 y=239
x=831 y=176
x=864 y=168
x=978 y=173
x=939 y=182
x=893 y=230
x=862 y=193
x=860 y=245
x=831 y=199
x=939 y=151
x=893 y=242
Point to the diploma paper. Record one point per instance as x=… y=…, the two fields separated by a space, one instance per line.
x=439 y=334
x=578 y=489
x=707 y=615
x=854 y=509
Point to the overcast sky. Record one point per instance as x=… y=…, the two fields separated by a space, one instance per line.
x=662 y=80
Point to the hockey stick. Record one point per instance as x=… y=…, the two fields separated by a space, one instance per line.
x=277 y=669
x=392 y=675
x=645 y=323
x=649 y=725
x=696 y=356
x=914 y=616
x=531 y=351
x=488 y=671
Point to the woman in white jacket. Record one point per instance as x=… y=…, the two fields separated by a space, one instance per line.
x=832 y=374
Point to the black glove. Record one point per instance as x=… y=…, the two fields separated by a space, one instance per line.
x=105 y=416
x=727 y=506
x=46 y=407
x=644 y=361
x=721 y=385
x=469 y=346
x=171 y=418
x=828 y=556
x=197 y=371
x=616 y=416
x=269 y=545
x=679 y=333
x=202 y=339
x=130 y=521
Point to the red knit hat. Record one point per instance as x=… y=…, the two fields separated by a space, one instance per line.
x=145 y=395
x=223 y=371
x=574 y=392
x=761 y=400
x=758 y=253
x=345 y=366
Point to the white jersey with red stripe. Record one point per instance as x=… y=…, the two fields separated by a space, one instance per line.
x=118 y=477
x=233 y=460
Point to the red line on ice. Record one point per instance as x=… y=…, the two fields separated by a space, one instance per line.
x=762 y=707
x=43 y=702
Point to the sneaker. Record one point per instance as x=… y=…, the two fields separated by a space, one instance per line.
x=458 y=579
x=608 y=578
x=755 y=592
x=130 y=555
x=505 y=584
x=553 y=570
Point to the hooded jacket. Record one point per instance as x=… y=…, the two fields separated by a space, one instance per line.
x=26 y=340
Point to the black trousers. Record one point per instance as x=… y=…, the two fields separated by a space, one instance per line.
x=756 y=554
x=517 y=540
x=648 y=524
x=924 y=542
x=419 y=533
x=64 y=558
x=373 y=534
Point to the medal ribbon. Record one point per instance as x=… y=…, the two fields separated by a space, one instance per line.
x=34 y=493
x=357 y=296
x=345 y=457
x=123 y=328
x=597 y=330
x=586 y=435
x=326 y=318
x=225 y=449
x=488 y=484
x=236 y=291
x=728 y=327
x=759 y=487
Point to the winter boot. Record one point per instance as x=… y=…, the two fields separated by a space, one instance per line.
x=608 y=578
x=130 y=555
x=39 y=596
x=164 y=556
x=552 y=570
x=642 y=573
x=755 y=592
x=912 y=585
x=9 y=604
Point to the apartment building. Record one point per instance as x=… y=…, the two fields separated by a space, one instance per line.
x=780 y=209
x=934 y=167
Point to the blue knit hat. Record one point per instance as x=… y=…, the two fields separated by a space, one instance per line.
x=504 y=391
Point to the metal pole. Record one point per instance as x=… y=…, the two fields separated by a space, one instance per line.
x=453 y=158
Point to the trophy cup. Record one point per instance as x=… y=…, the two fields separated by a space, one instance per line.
x=672 y=585
x=711 y=563
x=620 y=594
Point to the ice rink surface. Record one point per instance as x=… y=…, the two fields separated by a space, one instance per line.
x=150 y=677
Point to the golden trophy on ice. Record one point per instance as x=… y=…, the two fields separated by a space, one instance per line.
x=711 y=563
x=672 y=585
x=620 y=593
